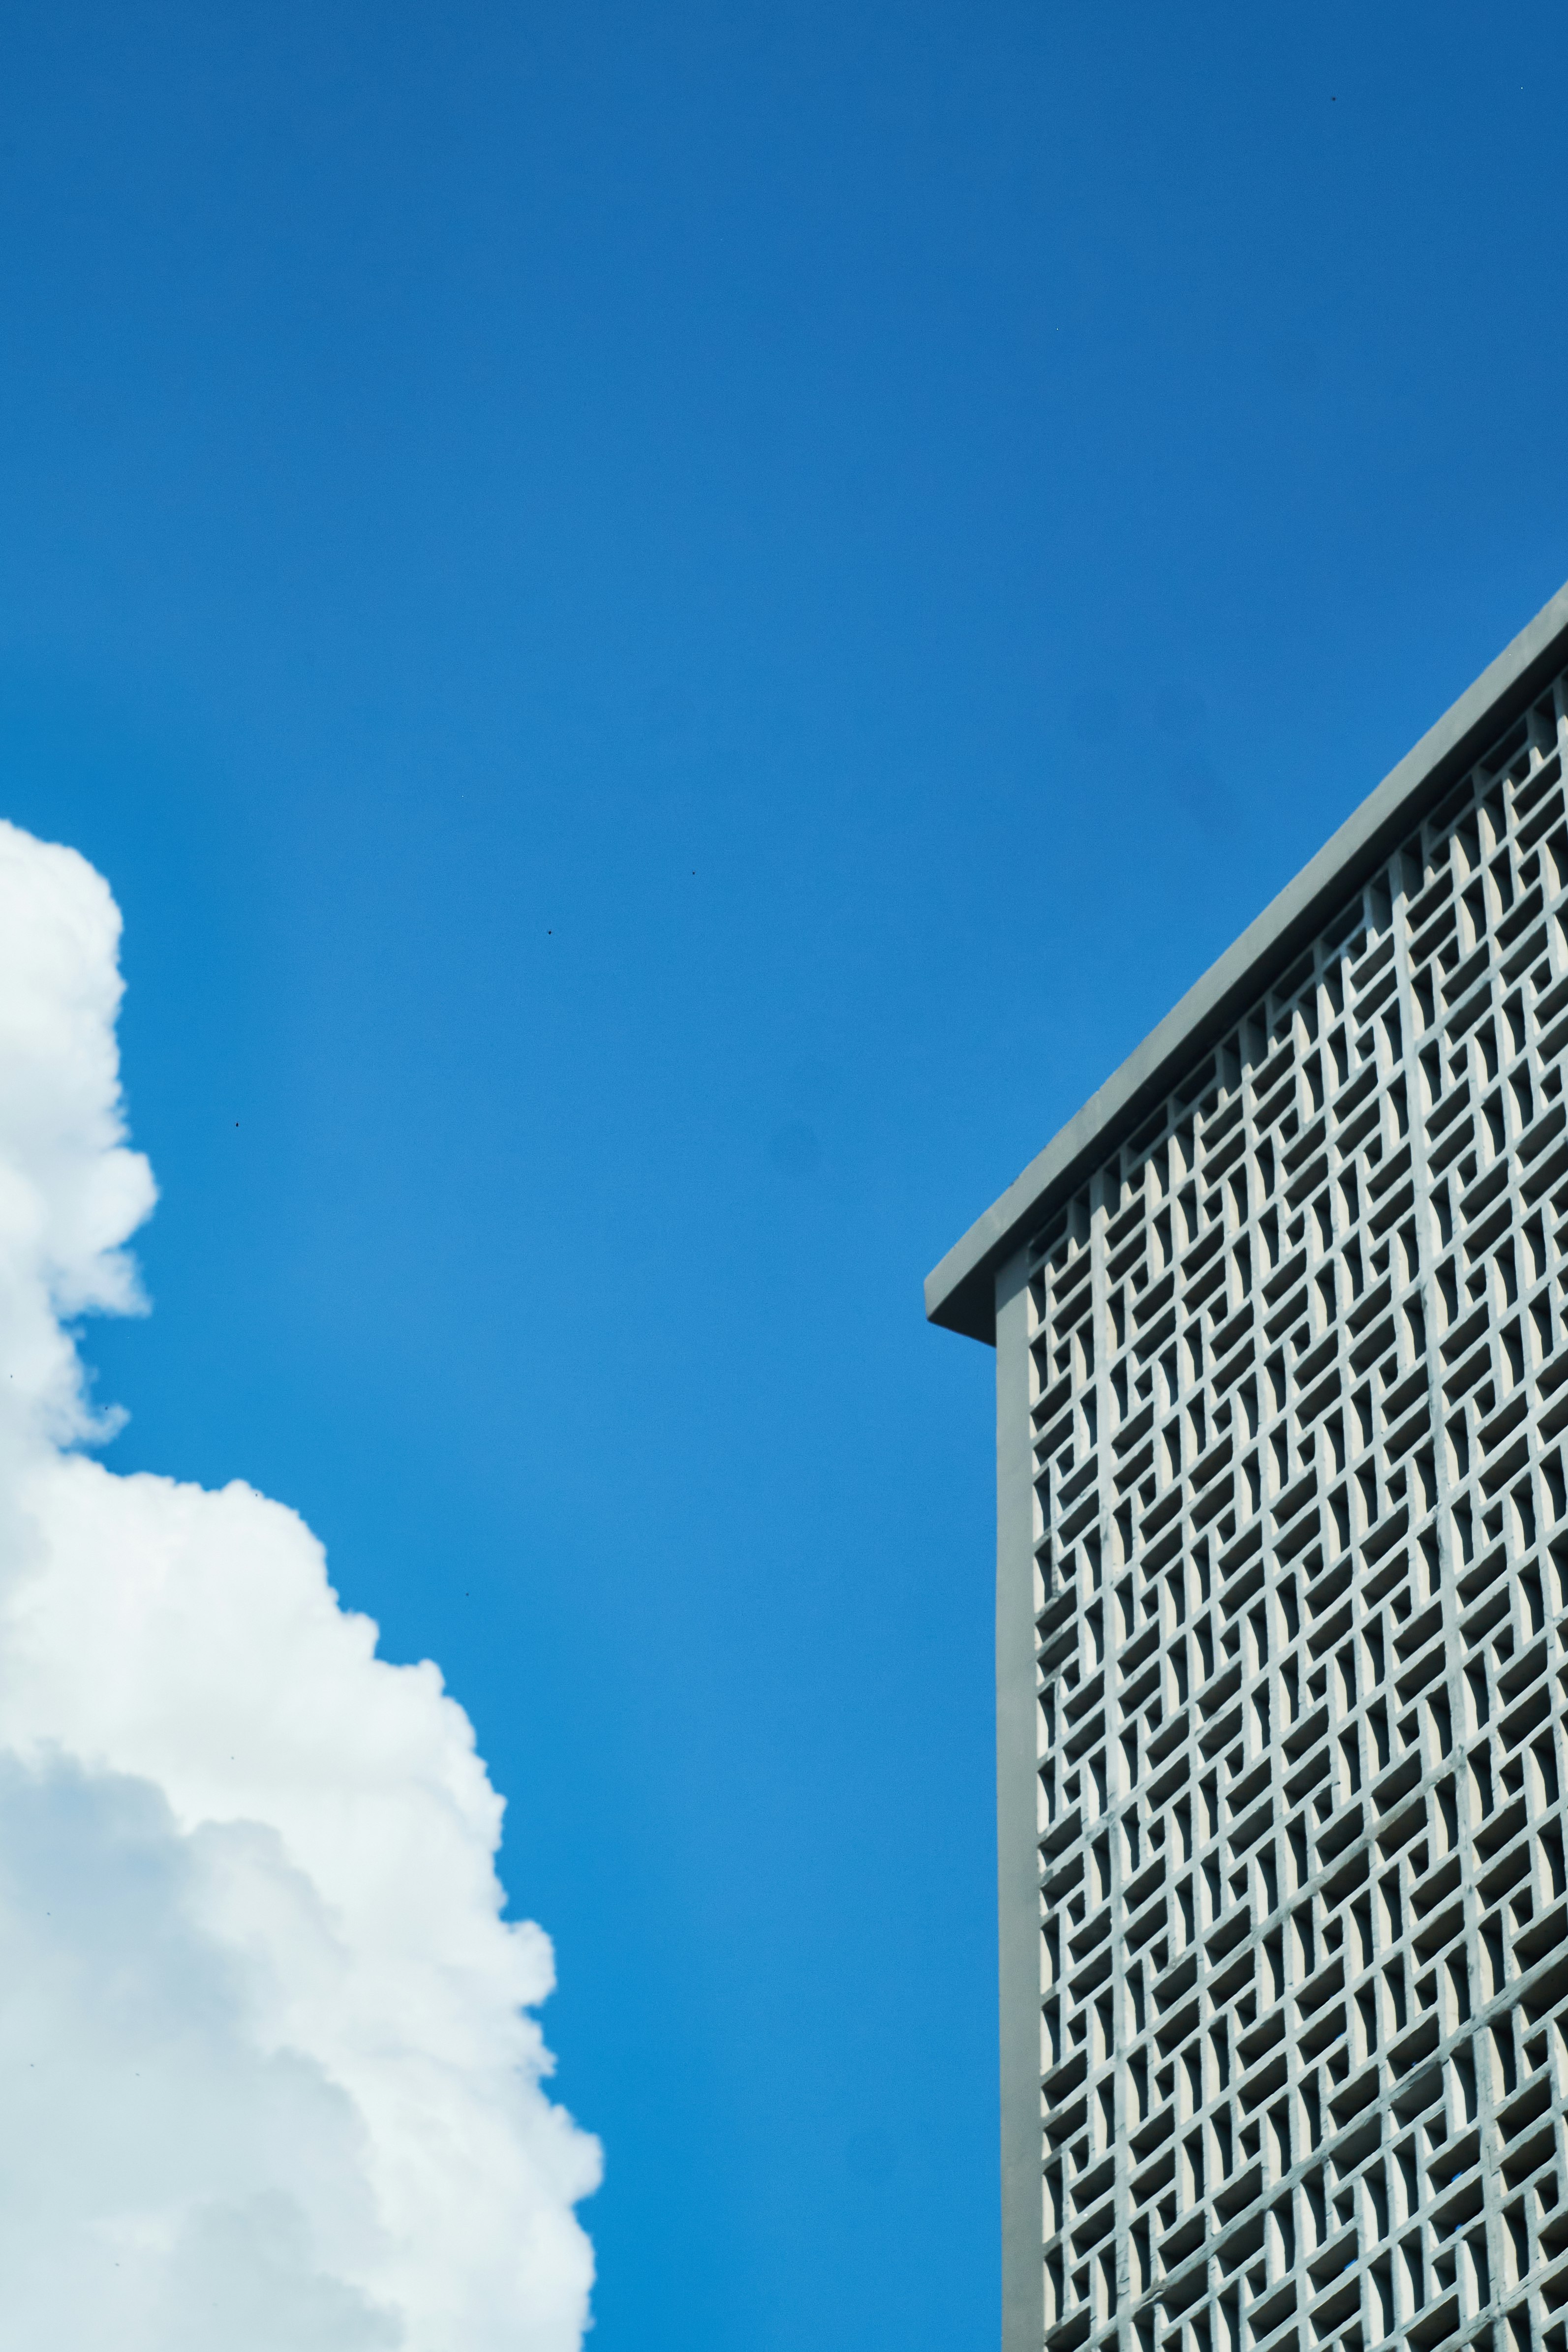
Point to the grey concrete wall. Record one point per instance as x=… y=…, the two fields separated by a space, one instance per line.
x=1282 y=1678
x=1018 y=1910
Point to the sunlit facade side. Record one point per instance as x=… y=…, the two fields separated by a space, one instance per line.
x=1282 y=1608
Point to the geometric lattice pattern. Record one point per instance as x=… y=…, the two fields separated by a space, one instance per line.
x=1299 y=1393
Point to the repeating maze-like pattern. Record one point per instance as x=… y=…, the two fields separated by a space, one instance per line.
x=1300 y=1392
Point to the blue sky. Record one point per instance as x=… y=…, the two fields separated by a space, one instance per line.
x=675 y=627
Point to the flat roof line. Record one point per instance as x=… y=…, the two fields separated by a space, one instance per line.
x=960 y=1293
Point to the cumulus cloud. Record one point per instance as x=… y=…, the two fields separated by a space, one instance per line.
x=270 y=2075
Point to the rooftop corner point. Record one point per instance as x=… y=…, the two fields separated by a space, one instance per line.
x=960 y=1293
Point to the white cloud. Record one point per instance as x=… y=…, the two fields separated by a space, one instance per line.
x=268 y=2071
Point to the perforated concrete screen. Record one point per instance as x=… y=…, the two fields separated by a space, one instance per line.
x=1283 y=1619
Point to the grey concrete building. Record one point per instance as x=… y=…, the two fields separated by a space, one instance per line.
x=1282 y=1606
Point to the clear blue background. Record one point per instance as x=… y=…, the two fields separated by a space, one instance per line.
x=676 y=626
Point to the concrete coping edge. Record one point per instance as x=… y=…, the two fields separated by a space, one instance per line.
x=960 y=1293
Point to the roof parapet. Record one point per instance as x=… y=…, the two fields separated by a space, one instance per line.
x=960 y=1293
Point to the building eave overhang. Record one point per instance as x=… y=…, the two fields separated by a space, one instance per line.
x=960 y=1293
